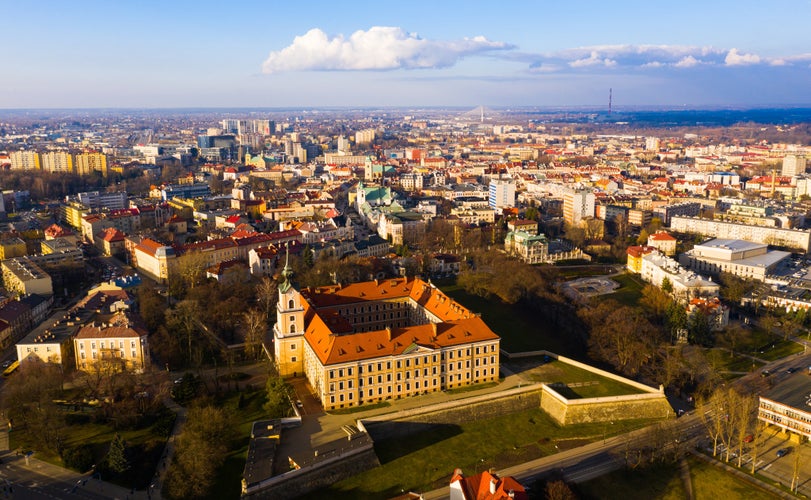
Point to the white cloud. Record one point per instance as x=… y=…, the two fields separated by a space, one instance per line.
x=735 y=58
x=379 y=48
x=594 y=57
x=687 y=62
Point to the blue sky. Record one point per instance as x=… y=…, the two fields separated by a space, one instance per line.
x=146 y=53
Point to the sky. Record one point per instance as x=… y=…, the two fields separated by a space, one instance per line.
x=201 y=53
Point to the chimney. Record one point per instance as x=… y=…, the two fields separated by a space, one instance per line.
x=493 y=485
x=388 y=333
x=434 y=331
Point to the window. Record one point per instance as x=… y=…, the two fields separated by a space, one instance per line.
x=293 y=359
x=82 y=355
x=340 y=386
x=133 y=354
x=93 y=345
x=292 y=328
x=292 y=347
x=291 y=304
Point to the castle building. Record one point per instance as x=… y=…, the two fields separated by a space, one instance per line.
x=385 y=339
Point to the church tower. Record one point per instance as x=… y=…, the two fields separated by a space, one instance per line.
x=288 y=332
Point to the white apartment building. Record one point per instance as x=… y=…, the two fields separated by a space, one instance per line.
x=502 y=193
x=686 y=284
x=793 y=165
x=578 y=205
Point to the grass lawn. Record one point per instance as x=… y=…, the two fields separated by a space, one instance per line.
x=761 y=340
x=594 y=385
x=781 y=349
x=725 y=361
x=664 y=483
x=228 y=483
x=426 y=460
x=629 y=292
x=520 y=329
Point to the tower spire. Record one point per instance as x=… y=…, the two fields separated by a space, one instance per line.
x=287 y=272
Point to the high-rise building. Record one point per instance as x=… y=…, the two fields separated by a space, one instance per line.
x=577 y=205
x=366 y=136
x=57 y=161
x=25 y=160
x=502 y=193
x=652 y=144
x=87 y=163
x=793 y=165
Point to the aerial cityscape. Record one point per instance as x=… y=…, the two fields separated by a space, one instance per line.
x=447 y=250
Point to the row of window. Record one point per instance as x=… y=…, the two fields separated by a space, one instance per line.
x=112 y=344
x=370 y=368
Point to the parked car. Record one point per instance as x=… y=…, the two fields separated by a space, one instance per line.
x=782 y=452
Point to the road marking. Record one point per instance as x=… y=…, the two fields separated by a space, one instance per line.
x=767 y=467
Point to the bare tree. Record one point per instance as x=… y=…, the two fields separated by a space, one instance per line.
x=267 y=295
x=256 y=325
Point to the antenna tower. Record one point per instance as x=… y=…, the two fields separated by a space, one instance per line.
x=610 y=96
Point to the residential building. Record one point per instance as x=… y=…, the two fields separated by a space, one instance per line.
x=685 y=285
x=745 y=259
x=23 y=276
x=376 y=340
x=87 y=163
x=578 y=205
x=98 y=200
x=57 y=161
x=25 y=160
x=502 y=193
x=664 y=242
x=12 y=247
x=793 y=165
x=635 y=254
x=685 y=209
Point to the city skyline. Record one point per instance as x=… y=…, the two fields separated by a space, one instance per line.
x=91 y=54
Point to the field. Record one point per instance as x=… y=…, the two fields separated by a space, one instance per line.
x=426 y=460
x=664 y=483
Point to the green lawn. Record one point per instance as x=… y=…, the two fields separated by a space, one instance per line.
x=519 y=328
x=583 y=272
x=426 y=460
x=725 y=361
x=594 y=386
x=664 y=483
x=781 y=349
x=629 y=292
x=760 y=340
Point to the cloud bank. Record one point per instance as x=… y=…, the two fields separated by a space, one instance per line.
x=379 y=48
x=653 y=56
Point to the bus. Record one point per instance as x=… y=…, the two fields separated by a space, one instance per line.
x=11 y=368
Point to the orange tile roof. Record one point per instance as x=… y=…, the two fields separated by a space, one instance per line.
x=662 y=236
x=331 y=338
x=478 y=487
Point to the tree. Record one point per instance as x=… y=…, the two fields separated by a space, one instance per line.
x=117 y=460
x=559 y=490
x=667 y=285
x=642 y=239
x=255 y=325
x=201 y=450
x=278 y=393
x=699 y=329
x=267 y=295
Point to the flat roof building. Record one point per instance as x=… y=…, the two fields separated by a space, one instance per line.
x=745 y=259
